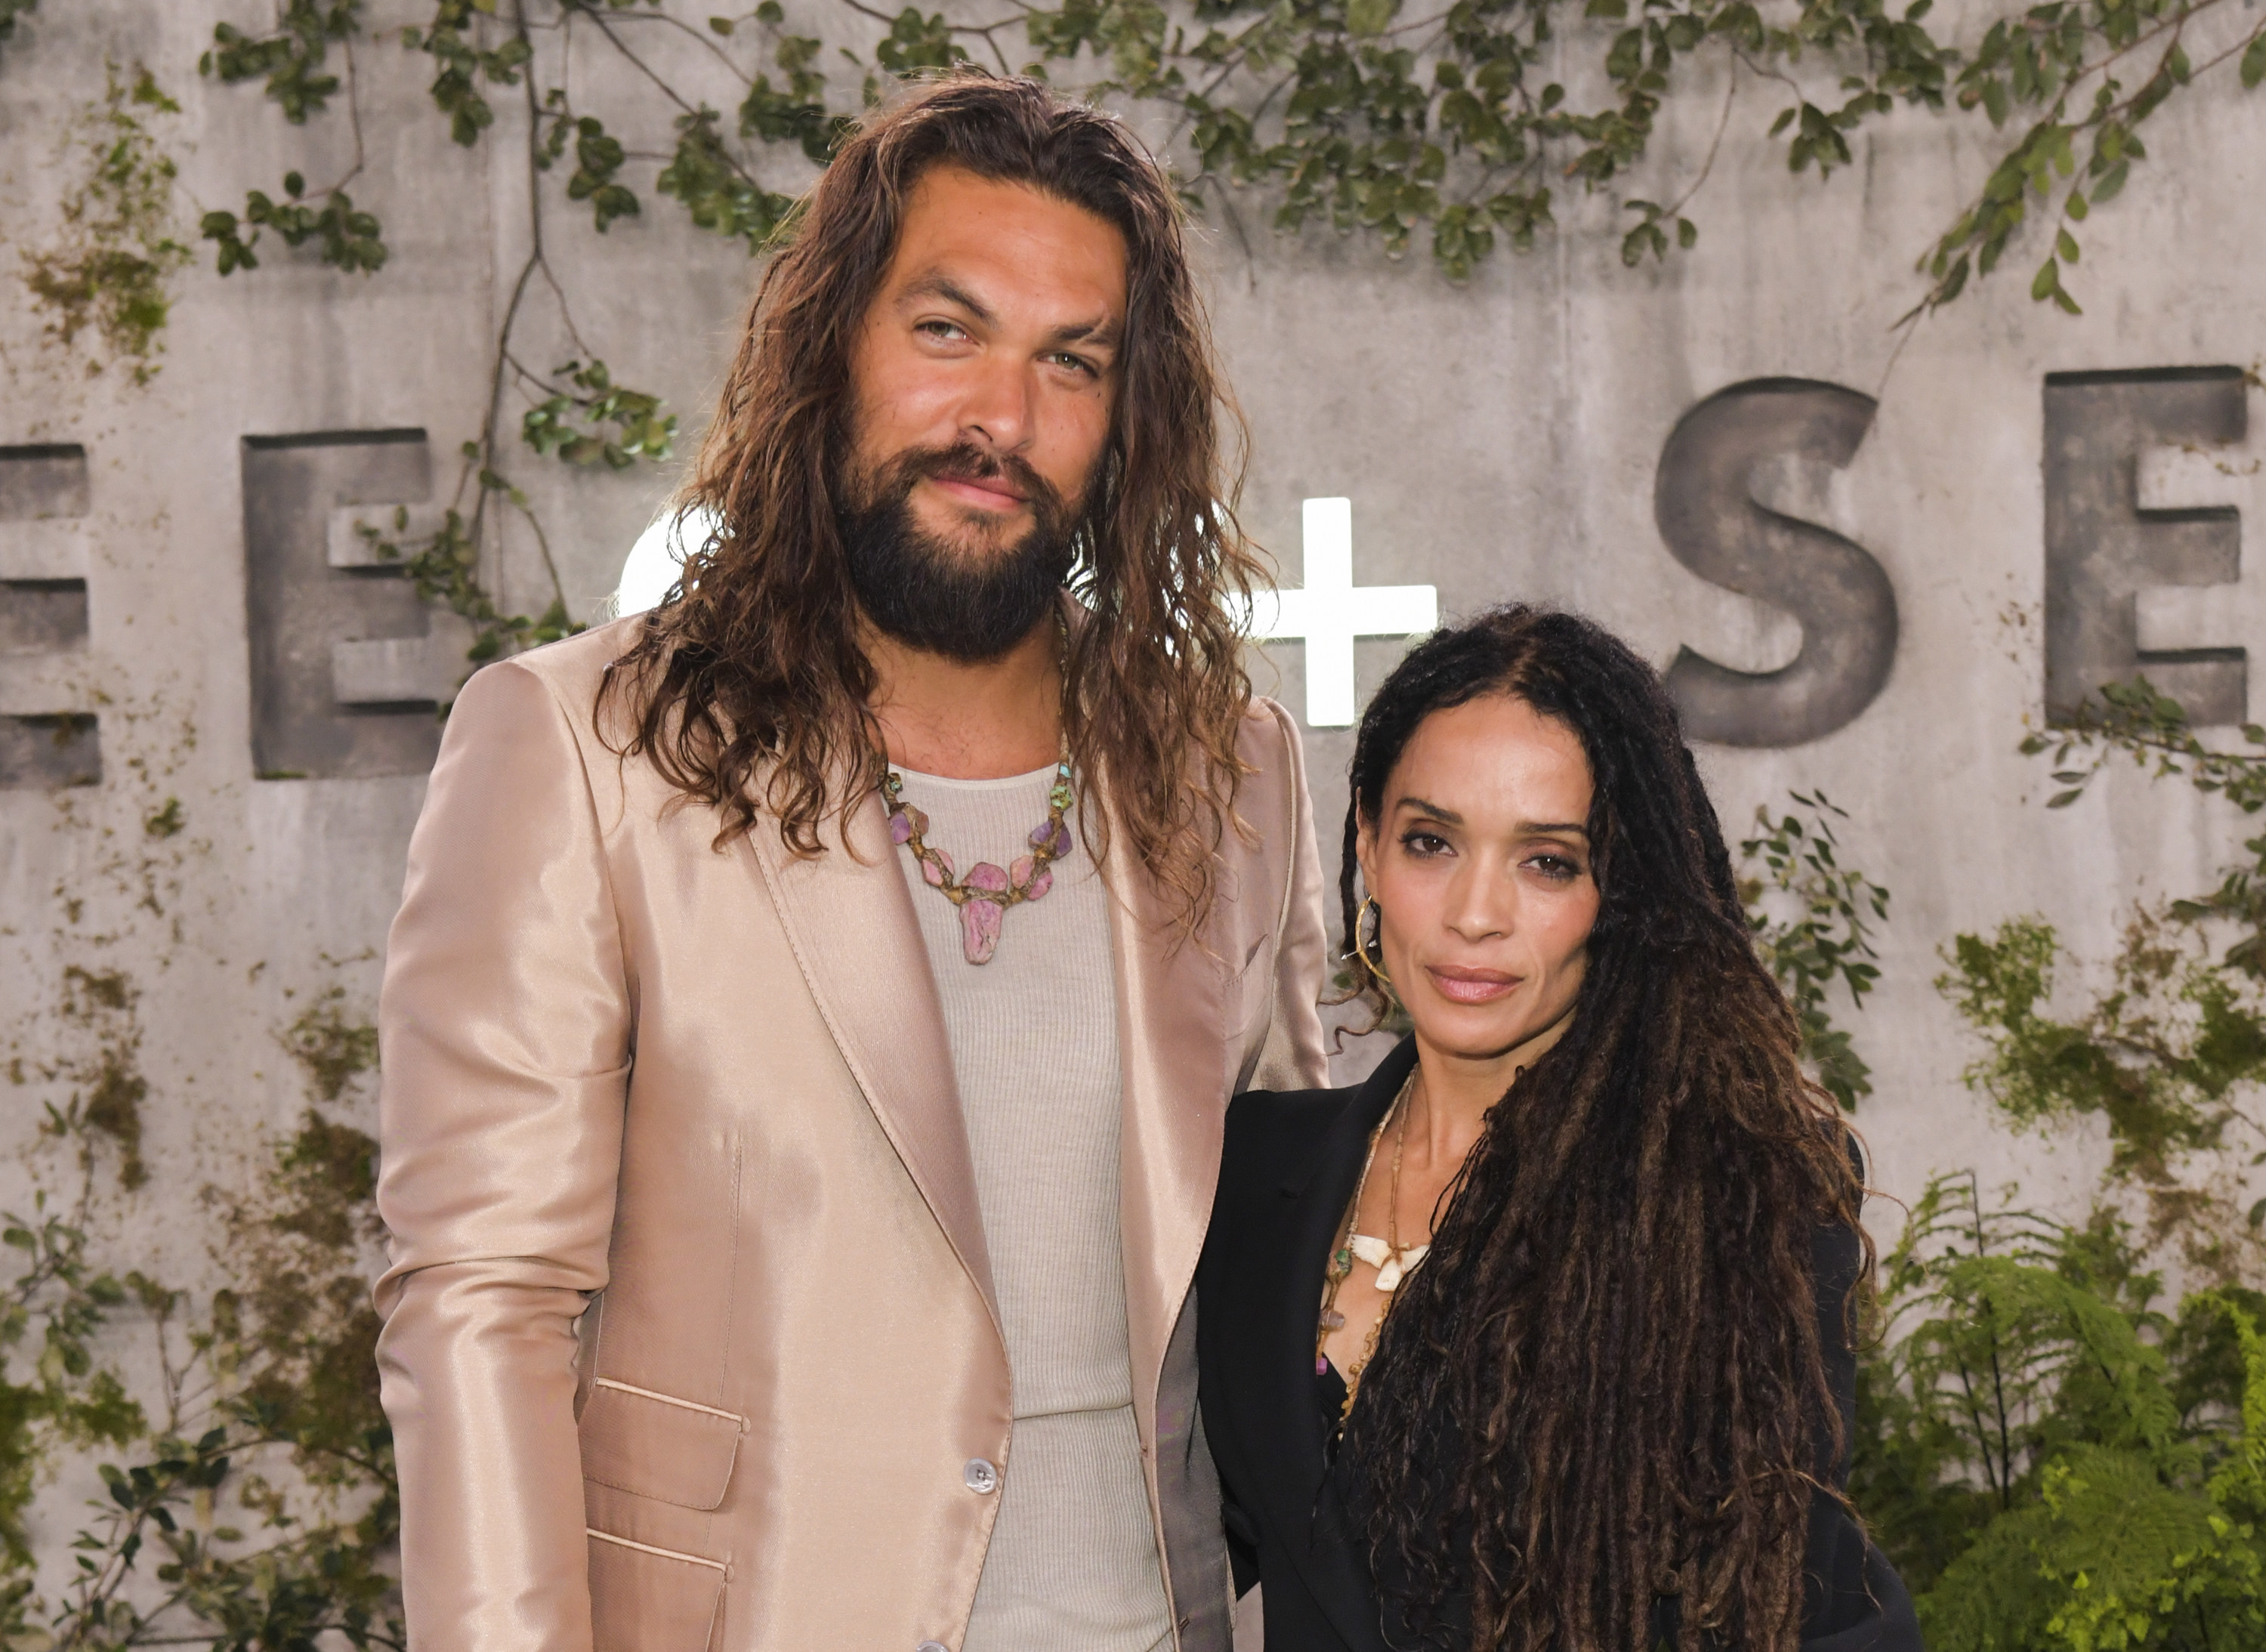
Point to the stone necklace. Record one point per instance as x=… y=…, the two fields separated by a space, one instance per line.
x=986 y=893
x=1393 y=1261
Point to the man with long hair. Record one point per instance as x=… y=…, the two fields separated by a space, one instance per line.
x=812 y=1008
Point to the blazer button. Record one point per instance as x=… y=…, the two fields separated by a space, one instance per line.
x=980 y=1479
x=931 y=1645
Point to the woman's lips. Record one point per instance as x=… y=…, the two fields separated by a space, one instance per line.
x=1470 y=986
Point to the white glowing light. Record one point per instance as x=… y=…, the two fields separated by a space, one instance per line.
x=1331 y=611
x=658 y=555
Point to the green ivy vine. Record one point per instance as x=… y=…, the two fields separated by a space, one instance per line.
x=1463 y=123
x=1813 y=919
x=1377 y=117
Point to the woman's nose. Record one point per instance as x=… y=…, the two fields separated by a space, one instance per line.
x=1482 y=903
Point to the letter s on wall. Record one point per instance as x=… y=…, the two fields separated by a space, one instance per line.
x=1702 y=500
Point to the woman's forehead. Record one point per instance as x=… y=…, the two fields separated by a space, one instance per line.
x=1491 y=754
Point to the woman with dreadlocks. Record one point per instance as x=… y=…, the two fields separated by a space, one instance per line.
x=1543 y=1338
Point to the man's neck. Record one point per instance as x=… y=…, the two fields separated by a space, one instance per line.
x=979 y=721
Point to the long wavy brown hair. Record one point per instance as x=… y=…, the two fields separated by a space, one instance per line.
x=746 y=684
x=1605 y=1384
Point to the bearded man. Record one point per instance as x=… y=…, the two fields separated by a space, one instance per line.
x=814 y=1005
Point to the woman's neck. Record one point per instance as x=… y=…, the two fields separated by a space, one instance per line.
x=1453 y=1094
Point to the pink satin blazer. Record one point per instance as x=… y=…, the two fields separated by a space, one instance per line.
x=688 y=1331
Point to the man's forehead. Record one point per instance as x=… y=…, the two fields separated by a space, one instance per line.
x=979 y=241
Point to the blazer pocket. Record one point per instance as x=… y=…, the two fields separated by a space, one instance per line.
x=645 y=1599
x=652 y=1445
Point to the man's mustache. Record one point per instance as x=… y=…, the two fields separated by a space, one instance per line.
x=965 y=462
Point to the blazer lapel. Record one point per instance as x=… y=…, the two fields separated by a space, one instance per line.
x=1335 y=1567
x=1172 y=1022
x=850 y=919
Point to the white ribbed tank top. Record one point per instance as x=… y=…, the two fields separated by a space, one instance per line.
x=1072 y=1565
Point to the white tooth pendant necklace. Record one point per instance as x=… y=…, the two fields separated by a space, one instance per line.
x=1393 y=1261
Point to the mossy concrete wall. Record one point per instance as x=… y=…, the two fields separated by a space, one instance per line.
x=176 y=572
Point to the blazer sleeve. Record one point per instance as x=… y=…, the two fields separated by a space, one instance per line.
x=504 y=1030
x=1293 y=1057
x=1854 y=1601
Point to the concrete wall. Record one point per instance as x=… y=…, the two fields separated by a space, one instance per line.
x=1497 y=439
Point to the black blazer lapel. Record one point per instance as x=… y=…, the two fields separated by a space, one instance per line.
x=1334 y=1564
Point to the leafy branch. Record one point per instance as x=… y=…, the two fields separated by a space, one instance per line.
x=2045 y=59
x=2134 y=720
x=579 y=412
x=1812 y=919
x=2169 y=1052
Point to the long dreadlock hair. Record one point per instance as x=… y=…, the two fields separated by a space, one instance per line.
x=1606 y=1383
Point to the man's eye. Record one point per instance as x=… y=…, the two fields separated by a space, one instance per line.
x=1078 y=364
x=946 y=330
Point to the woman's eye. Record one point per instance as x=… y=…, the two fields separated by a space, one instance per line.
x=1557 y=869
x=1424 y=844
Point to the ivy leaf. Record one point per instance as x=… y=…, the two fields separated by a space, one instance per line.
x=1369 y=17
x=2254 y=62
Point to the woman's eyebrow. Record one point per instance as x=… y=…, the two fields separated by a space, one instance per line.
x=1525 y=829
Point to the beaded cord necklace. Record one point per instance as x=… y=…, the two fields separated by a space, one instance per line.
x=986 y=893
x=1393 y=1261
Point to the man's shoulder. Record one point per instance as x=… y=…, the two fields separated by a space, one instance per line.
x=574 y=666
x=568 y=673
x=1271 y=793
x=1266 y=733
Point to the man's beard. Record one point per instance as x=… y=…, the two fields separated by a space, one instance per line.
x=970 y=605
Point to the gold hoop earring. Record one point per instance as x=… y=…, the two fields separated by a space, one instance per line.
x=1360 y=944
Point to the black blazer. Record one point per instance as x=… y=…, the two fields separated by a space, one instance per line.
x=1290 y=1166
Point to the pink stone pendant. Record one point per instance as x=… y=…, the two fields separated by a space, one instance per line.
x=980 y=914
x=1031 y=884
x=979 y=929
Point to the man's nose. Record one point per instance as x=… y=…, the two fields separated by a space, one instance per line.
x=998 y=412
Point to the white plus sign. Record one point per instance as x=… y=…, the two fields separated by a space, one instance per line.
x=1330 y=613
x=2173 y=618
